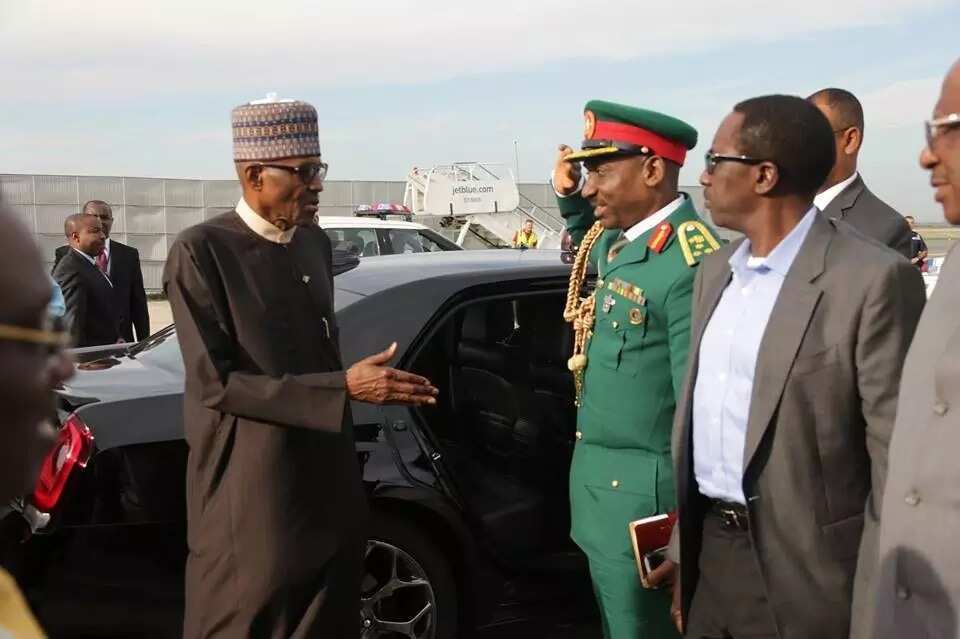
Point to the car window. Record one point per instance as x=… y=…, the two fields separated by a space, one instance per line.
x=363 y=242
x=402 y=241
x=430 y=245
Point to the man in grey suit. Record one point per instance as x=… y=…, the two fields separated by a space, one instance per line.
x=780 y=440
x=843 y=195
x=919 y=575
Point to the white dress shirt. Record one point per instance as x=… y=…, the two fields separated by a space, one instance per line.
x=653 y=221
x=261 y=227
x=728 y=360
x=823 y=200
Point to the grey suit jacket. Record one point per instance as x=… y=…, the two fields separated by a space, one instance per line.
x=919 y=576
x=820 y=417
x=857 y=206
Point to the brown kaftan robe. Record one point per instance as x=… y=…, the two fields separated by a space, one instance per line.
x=276 y=508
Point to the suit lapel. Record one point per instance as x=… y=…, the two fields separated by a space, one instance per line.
x=845 y=200
x=785 y=330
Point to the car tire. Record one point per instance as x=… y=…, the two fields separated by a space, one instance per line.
x=417 y=559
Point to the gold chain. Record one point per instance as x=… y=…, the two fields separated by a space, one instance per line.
x=579 y=311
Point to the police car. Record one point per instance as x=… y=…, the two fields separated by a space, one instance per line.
x=376 y=230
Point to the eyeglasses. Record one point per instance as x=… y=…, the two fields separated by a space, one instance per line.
x=938 y=126
x=307 y=172
x=50 y=337
x=713 y=159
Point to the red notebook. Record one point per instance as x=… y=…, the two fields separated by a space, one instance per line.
x=650 y=537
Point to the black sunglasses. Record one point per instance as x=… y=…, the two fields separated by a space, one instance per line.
x=306 y=172
x=713 y=159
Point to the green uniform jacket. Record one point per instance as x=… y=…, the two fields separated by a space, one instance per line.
x=636 y=360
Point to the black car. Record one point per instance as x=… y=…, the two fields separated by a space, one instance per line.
x=471 y=516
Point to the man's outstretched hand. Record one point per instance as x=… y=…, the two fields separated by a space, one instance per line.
x=370 y=380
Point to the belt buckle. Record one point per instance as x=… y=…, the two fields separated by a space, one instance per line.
x=732 y=519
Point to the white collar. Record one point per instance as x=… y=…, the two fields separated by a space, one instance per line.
x=823 y=200
x=261 y=227
x=652 y=221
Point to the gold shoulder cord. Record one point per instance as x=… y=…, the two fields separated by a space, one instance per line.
x=579 y=310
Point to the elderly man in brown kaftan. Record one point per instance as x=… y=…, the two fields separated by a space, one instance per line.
x=276 y=508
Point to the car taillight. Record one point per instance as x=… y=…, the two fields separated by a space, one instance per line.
x=72 y=448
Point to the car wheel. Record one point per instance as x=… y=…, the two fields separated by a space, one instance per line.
x=408 y=590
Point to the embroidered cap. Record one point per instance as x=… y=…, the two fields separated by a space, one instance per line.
x=273 y=128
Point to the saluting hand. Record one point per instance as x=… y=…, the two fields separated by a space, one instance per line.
x=369 y=380
x=566 y=175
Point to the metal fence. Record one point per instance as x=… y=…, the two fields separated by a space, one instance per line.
x=150 y=212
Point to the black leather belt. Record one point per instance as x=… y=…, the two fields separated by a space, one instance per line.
x=732 y=516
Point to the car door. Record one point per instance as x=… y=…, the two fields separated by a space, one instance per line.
x=505 y=426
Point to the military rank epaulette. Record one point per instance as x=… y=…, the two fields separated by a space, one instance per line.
x=658 y=239
x=627 y=290
x=696 y=240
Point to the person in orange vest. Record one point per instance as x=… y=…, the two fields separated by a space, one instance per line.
x=525 y=237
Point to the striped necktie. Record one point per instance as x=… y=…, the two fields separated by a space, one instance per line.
x=102 y=262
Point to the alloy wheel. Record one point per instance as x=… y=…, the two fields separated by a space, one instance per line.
x=397 y=599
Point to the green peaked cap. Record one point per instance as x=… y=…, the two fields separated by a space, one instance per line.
x=611 y=128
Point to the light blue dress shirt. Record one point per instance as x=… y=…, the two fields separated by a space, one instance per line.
x=57 y=307
x=728 y=360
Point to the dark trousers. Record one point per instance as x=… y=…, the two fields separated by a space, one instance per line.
x=730 y=601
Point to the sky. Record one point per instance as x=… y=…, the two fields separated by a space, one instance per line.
x=125 y=87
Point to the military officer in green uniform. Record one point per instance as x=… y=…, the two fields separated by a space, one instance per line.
x=645 y=239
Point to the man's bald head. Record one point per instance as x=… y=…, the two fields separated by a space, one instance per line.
x=85 y=233
x=26 y=375
x=102 y=210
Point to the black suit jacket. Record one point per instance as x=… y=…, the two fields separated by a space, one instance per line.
x=91 y=314
x=860 y=208
x=127 y=278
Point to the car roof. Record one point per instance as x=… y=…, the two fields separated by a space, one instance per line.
x=347 y=222
x=380 y=273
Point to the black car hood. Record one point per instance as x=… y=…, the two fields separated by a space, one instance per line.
x=122 y=377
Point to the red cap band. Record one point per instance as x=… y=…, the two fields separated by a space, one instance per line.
x=619 y=132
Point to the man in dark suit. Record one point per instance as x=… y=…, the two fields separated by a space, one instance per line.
x=843 y=195
x=91 y=304
x=919 y=576
x=798 y=336
x=121 y=263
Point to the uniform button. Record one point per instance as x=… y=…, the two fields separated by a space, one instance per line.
x=615 y=483
x=579 y=435
x=912 y=498
x=940 y=408
x=615 y=324
x=903 y=593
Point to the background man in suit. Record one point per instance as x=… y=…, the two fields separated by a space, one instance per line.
x=32 y=364
x=121 y=263
x=799 y=333
x=919 y=576
x=918 y=248
x=843 y=195
x=91 y=305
